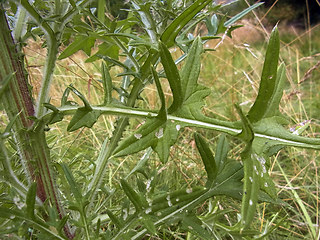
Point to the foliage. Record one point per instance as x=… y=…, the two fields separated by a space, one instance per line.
x=140 y=46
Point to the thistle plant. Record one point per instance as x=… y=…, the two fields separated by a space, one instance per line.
x=140 y=46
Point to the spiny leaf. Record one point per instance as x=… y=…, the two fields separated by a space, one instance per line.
x=207 y=159
x=134 y=197
x=74 y=187
x=83 y=118
x=118 y=222
x=273 y=106
x=173 y=77
x=84 y=43
x=193 y=224
x=148 y=223
x=228 y=181
x=107 y=84
x=221 y=151
x=171 y=32
x=160 y=133
x=191 y=70
x=268 y=79
x=247 y=133
x=31 y=200
x=251 y=186
x=5 y=83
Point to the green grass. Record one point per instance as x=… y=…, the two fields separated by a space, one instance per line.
x=232 y=73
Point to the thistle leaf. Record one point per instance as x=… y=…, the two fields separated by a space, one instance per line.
x=31 y=200
x=169 y=35
x=269 y=82
x=207 y=159
x=84 y=43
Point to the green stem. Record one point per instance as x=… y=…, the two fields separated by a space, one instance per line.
x=47 y=76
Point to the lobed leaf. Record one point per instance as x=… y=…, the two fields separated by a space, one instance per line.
x=173 y=77
x=107 y=84
x=134 y=197
x=269 y=81
x=207 y=159
x=84 y=43
x=169 y=35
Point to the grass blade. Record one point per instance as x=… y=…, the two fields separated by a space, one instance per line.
x=241 y=14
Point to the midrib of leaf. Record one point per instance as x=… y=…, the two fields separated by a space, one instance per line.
x=204 y=122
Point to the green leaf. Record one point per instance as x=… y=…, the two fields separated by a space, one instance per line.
x=31 y=200
x=193 y=224
x=191 y=70
x=163 y=111
x=251 y=186
x=74 y=187
x=84 y=116
x=268 y=83
x=105 y=49
x=160 y=133
x=221 y=151
x=241 y=14
x=107 y=84
x=173 y=77
x=148 y=223
x=247 y=133
x=169 y=35
x=41 y=226
x=228 y=181
x=118 y=222
x=84 y=43
x=207 y=159
x=137 y=200
x=56 y=115
x=5 y=83
x=273 y=106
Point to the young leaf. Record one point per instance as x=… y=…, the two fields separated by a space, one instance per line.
x=163 y=111
x=169 y=35
x=268 y=79
x=207 y=159
x=31 y=200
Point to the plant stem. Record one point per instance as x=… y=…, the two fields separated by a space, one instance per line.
x=30 y=139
